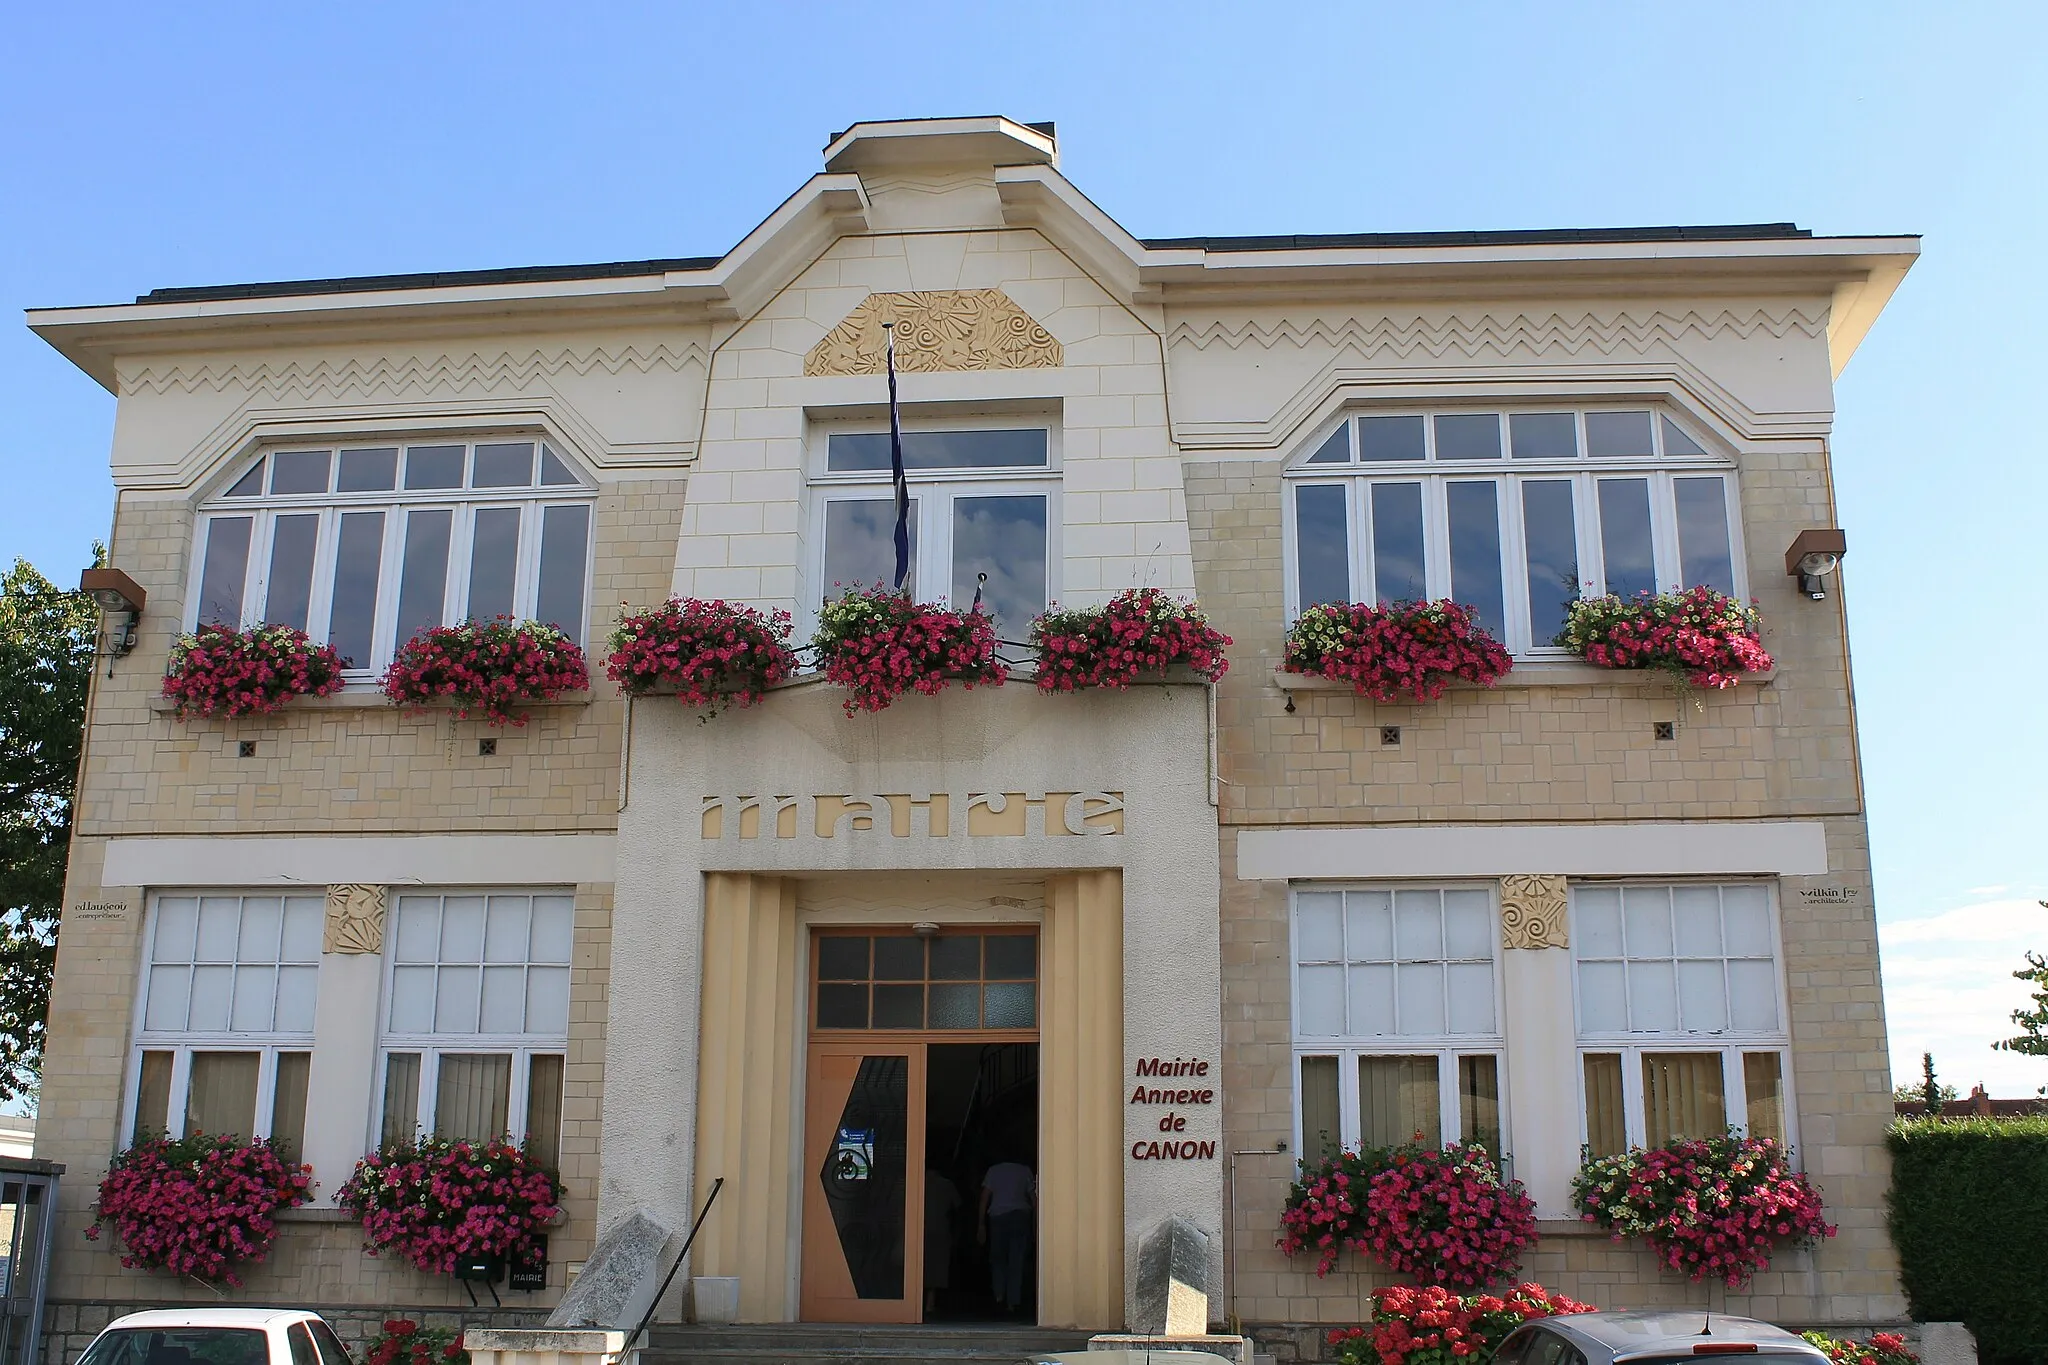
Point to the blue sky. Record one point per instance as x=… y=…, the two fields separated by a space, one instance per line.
x=145 y=145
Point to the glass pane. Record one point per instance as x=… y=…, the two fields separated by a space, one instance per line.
x=169 y=995
x=1596 y=921
x=457 y=994
x=1369 y=926
x=288 y=599
x=419 y=928
x=1702 y=997
x=1475 y=551
x=1398 y=566
x=255 y=993
x=544 y=1109
x=860 y=545
x=852 y=452
x=288 y=1103
x=221 y=1094
x=368 y=471
x=250 y=484
x=1336 y=449
x=1614 y=434
x=1676 y=442
x=1704 y=558
x=1390 y=438
x=1550 y=542
x=220 y=928
x=1753 y=996
x=554 y=929
x=1603 y=997
x=1631 y=565
x=507 y=464
x=153 y=1095
x=955 y=957
x=955 y=1006
x=303 y=917
x=1763 y=1084
x=554 y=473
x=412 y=999
x=1013 y=1005
x=1746 y=918
x=1322 y=1001
x=401 y=1096
x=1319 y=926
x=505 y=921
x=1420 y=989
x=1646 y=915
x=899 y=1006
x=842 y=1006
x=841 y=958
x=564 y=550
x=1682 y=1097
x=1652 y=996
x=226 y=566
x=1469 y=987
x=1606 y=1126
x=1544 y=435
x=298 y=990
x=1322 y=1126
x=1696 y=915
x=1322 y=544
x=433 y=466
x=1397 y=1102
x=300 y=471
x=1004 y=538
x=471 y=1096
x=1468 y=925
x=493 y=562
x=212 y=989
x=423 y=576
x=1479 y=1101
x=1011 y=957
x=1468 y=436
x=1371 y=998
x=358 y=558
x=262 y=918
x=902 y=959
x=177 y=921
x=462 y=929
x=504 y=1000
x=1418 y=926
x=547 y=1001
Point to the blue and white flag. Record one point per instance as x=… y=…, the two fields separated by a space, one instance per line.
x=896 y=467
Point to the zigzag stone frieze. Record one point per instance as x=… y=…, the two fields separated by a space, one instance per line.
x=1487 y=333
x=397 y=373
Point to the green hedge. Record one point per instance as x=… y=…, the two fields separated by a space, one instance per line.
x=1969 y=1215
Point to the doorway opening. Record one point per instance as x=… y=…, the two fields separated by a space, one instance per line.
x=980 y=1184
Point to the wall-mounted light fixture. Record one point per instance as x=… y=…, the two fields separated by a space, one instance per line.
x=1814 y=555
x=120 y=598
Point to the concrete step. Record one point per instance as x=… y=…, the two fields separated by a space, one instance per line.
x=811 y=1343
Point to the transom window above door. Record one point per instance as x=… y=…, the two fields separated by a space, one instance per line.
x=364 y=546
x=983 y=501
x=952 y=980
x=1514 y=513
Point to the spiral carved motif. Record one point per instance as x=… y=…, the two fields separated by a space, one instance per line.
x=355 y=920
x=1533 y=908
x=939 y=329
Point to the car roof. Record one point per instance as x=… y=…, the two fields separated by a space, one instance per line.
x=1672 y=1332
x=212 y=1317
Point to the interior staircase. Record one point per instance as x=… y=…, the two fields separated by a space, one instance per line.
x=810 y=1343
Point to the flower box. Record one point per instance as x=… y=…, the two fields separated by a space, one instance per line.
x=1138 y=634
x=1402 y=651
x=879 y=644
x=1445 y=1215
x=216 y=670
x=709 y=654
x=203 y=1205
x=437 y=1202
x=493 y=669
x=1703 y=637
x=1431 y=1325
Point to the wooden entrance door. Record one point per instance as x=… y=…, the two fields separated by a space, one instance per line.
x=863 y=1201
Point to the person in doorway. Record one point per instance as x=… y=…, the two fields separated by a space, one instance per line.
x=941 y=1204
x=1009 y=1193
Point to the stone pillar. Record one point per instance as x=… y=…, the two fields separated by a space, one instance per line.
x=341 y=1106
x=1542 y=1039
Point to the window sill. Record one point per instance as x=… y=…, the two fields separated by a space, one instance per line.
x=1536 y=673
x=371 y=699
x=1569 y=1227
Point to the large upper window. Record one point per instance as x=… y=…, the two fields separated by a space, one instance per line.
x=1396 y=1030
x=983 y=501
x=364 y=546
x=1513 y=513
x=1681 y=1029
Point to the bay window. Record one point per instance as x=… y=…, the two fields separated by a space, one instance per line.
x=1515 y=514
x=1680 y=1014
x=362 y=547
x=1396 y=1018
x=984 y=514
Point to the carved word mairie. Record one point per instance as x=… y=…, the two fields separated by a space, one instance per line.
x=918 y=815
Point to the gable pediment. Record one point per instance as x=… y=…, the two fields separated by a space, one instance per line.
x=937 y=329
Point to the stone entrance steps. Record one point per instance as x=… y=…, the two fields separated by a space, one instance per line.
x=811 y=1343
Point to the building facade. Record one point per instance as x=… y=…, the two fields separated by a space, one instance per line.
x=1155 y=945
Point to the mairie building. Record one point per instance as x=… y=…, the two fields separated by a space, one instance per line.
x=1156 y=945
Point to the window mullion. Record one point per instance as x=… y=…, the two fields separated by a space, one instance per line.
x=516 y=1093
x=461 y=540
x=1351 y=1125
x=1514 y=565
x=1735 y=1089
x=266 y=1092
x=391 y=564
x=181 y=1083
x=934 y=577
x=1358 y=508
x=1664 y=532
x=1633 y=1117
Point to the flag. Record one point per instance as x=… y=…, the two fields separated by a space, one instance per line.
x=896 y=467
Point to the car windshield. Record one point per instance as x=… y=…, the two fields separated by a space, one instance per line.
x=179 y=1346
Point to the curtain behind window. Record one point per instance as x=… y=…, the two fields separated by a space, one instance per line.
x=1764 y=1085
x=153 y=1095
x=288 y=1103
x=221 y=1097
x=1682 y=1097
x=1397 y=1101
x=473 y=1095
x=1606 y=1123
x=401 y=1097
x=544 y=1109
x=1479 y=1101
x=1322 y=1126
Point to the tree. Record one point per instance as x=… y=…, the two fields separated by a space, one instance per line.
x=2033 y=1035
x=1926 y=1090
x=47 y=646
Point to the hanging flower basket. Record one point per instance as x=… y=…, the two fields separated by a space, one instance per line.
x=1706 y=638
x=1431 y=1325
x=488 y=668
x=202 y=1205
x=710 y=654
x=1403 y=651
x=405 y=1342
x=218 y=671
x=879 y=644
x=1707 y=1206
x=435 y=1202
x=1444 y=1215
x=1139 y=633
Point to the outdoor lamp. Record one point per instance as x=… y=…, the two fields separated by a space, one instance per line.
x=120 y=600
x=1814 y=555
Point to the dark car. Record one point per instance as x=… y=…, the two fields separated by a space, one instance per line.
x=1665 y=1337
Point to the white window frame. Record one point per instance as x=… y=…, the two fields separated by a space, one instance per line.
x=1508 y=474
x=396 y=503
x=932 y=490
x=1445 y=1047
x=1728 y=1044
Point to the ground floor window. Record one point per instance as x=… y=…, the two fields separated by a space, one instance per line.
x=1654 y=1095
x=1354 y=1099
x=476 y=1096
x=245 y=1092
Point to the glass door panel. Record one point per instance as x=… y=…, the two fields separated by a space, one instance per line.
x=863 y=1172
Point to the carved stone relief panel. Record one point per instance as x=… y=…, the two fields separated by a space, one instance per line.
x=937 y=329
x=355 y=920
x=1533 y=909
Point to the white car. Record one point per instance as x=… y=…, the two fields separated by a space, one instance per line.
x=217 y=1336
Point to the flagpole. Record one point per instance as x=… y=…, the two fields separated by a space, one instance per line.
x=896 y=465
